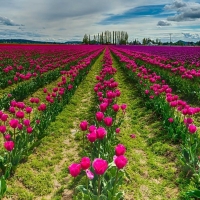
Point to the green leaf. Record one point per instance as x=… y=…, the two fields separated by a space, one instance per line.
x=3 y=186
x=194 y=193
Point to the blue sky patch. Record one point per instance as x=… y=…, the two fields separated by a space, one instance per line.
x=149 y=10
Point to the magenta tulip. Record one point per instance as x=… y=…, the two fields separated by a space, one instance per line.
x=28 y=109
x=74 y=169
x=115 y=107
x=4 y=117
x=192 y=128
x=9 y=145
x=101 y=132
x=123 y=106
x=120 y=150
x=83 y=125
x=26 y=122
x=20 y=114
x=85 y=163
x=108 y=121
x=117 y=130
x=99 y=116
x=92 y=128
x=103 y=107
x=13 y=123
x=20 y=126
x=92 y=136
x=7 y=137
x=29 y=129
x=2 y=129
x=100 y=166
x=120 y=161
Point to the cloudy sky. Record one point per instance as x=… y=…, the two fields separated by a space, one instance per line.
x=64 y=20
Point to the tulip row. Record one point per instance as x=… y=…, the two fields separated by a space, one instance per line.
x=22 y=66
x=186 y=82
x=176 y=114
x=23 y=134
x=105 y=160
x=25 y=89
x=188 y=56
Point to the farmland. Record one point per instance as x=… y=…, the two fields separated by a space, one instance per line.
x=99 y=122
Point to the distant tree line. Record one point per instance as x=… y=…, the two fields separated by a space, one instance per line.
x=107 y=37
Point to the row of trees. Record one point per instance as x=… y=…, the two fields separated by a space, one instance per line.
x=107 y=37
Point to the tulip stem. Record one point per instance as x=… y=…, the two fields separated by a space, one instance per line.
x=99 y=150
x=99 y=183
x=74 y=186
x=83 y=141
x=113 y=192
x=14 y=133
x=87 y=181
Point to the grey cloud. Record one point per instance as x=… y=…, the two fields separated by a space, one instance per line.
x=8 y=22
x=19 y=34
x=59 y=9
x=191 y=36
x=187 y=15
x=163 y=23
x=185 y=11
x=175 y=5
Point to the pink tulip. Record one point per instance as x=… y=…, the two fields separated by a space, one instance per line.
x=92 y=136
x=120 y=150
x=20 y=126
x=45 y=90
x=74 y=169
x=103 y=107
x=32 y=100
x=89 y=174
x=20 y=114
x=101 y=132
x=21 y=105
x=7 y=137
x=170 y=120
x=189 y=120
x=2 y=129
x=83 y=125
x=12 y=109
x=37 y=100
x=9 y=145
x=115 y=107
x=99 y=116
x=26 y=122
x=85 y=163
x=28 y=109
x=29 y=129
x=92 y=128
x=117 y=130
x=13 y=123
x=42 y=107
x=108 y=121
x=192 y=128
x=133 y=136
x=123 y=106
x=4 y=117
x=100 y=166
x=120 y=161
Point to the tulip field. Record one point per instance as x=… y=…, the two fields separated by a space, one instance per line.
x=97 y=122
